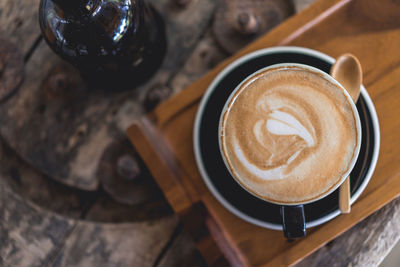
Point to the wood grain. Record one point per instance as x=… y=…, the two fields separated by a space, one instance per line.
x=19 y=23
x=38 y=189
x=364 y=28
x=238 y=23
x=381 y=228
x=183 y=252
x=31 y=236
x=64 y=132
x=129 y=244
x=69 y=202
x=206 y=55
x=379 y=234
x=37 y=236
x=28 y=237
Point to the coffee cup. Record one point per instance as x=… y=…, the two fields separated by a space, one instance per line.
x=289 y=134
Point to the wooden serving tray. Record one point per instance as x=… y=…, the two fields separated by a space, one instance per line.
x=371 y=31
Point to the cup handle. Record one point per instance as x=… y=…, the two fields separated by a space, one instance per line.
x=293 y=221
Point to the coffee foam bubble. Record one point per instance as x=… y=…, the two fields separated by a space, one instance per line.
x=289 y=135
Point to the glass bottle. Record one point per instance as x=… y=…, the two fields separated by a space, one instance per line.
x=114 y=43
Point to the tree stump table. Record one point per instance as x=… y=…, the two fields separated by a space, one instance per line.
x=69 y=195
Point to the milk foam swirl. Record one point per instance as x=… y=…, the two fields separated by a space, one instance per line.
x=289 y=135
x=267 y=131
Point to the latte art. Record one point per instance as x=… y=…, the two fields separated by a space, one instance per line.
x=279 y=126
x=288 y=136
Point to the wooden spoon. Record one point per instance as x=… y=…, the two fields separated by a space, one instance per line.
x=347 y=71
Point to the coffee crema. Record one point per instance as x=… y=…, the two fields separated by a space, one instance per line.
x=289 y=135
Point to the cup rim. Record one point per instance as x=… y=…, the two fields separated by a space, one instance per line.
x=278 y=67
x=199 y=115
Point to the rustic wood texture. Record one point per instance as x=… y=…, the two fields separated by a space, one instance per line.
x=54 y=82
x=27 y=237
x=123 y=175
x=206 y=55
x=116 y=244
x=237 y=22
x=183 y=252
x=19 y=22
x=31 y=236
x=11 y=68
x=367 y=29
x=59 y=125
x=72 y=203
x=43 y=192
x=366 y=244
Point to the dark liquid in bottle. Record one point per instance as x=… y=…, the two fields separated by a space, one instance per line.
x=116 y=44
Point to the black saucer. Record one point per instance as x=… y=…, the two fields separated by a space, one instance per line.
x=226 y=189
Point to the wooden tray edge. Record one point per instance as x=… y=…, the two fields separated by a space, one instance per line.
x=329 y=231
x=307 y=18
x=161 y=163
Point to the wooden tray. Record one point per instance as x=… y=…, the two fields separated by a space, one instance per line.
x=368 y=29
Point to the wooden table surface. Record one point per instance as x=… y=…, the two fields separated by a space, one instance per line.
x=44 y=222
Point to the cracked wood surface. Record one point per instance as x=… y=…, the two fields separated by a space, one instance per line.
x=31 y=236
x=64 y=135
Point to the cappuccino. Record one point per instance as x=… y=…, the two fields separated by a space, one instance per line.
x=289 y=135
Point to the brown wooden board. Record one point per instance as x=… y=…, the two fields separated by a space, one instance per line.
x=28 y=237
x=31 y=236
x=91 y=244
x=377 y=234
x=54 y=121
x=19 y=23
x=239 y=22
x=368 y=29
x=70 y=202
